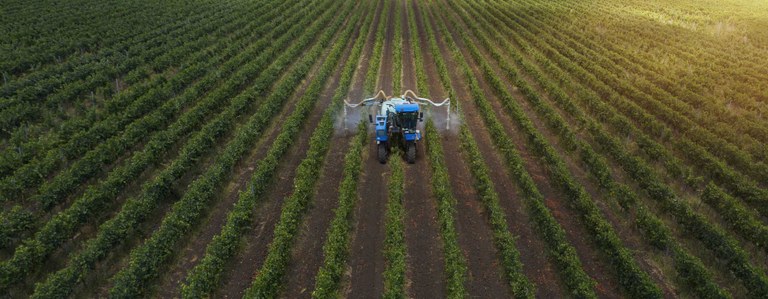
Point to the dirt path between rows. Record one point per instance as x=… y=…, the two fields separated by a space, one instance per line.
x=425 y=262
x=217 y=217
x=484 y=277
x=248 y=261
x=100 y=281
x=536 y=264
x=307 y=256
x=624 y=226
x=366 y=261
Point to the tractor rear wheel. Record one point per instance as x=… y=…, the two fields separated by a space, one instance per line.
x=410 y=154
x=382 y=153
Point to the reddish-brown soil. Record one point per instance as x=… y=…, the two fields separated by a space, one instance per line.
x=307 y=256
x=537 y=265
x=626 y=229
x=256 y=241
x=484 y=277
x=366 y=259
x=217 y=217
x=594 y=263
x=424 y=247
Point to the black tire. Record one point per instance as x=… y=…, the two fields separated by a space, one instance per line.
x=410 y=154
x=382 y=153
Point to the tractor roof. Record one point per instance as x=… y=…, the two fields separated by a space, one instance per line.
x=407 y=108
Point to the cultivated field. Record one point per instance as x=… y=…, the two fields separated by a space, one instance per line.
x=195 y=149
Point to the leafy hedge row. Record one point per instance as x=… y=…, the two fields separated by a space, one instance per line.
x=397 y=50
x=30 y=141
x=55 y=190
x=663 y=109
x=505 y=241
x=718 y=118
x=741 y=185
x=204 y=278
x=56 y=231
x=418 y=59
x=14 y=222
x=42 y=51
x=336 y=247
x=455 y=263
x=636 y=281
x=375 y=59
x=437 y=57
x=44 y=80
x=735 y=215
x=394 y=226
x=656 y=233
x=28 y=109
x=34 y=173
x=33 y=142
x=698 y=142
x=717 y=240
x=738 y=184
x=146 y=261
x=564 y=255
x=63 y=225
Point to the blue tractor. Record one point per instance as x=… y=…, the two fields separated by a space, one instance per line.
x=396 y=122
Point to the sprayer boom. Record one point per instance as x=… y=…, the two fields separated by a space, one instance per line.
x=397 y=120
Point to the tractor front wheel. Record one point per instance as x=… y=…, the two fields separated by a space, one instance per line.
x=382 y=153
x=410 y=154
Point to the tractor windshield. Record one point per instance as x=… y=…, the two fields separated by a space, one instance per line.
x=408 y=120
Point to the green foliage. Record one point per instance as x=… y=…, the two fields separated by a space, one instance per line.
x=394 y=239
x=378 y=46
x=743 y=221
x=31 y=162
x=505 y=241
x=639 y=170
x=112 y=232
x=12 y=223
x=336 y=247
x=455 y=264
x=146 y=260
x=397 y=50
x=564 y=255
x=418 y=59
x=205 y=276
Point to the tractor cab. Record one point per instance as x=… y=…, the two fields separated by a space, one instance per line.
x=407 y=115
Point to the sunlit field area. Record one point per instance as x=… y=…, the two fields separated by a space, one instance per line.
x=384 y=148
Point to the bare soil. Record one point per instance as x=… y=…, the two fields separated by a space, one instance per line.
x=424 y=247
x=307 y=256
x=366 y=259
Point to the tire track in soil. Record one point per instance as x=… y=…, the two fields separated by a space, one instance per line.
x=366 y=259
x=425 y=263
x=308 y=255
x=595 y=264
x=536 y=264
x=485 y=276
